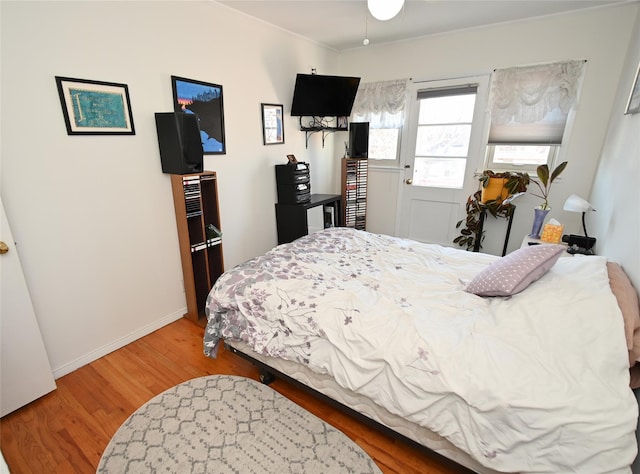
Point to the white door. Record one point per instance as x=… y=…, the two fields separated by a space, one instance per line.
x=439 y=166
x=25 y=373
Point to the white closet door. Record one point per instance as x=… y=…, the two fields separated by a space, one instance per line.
x=25 y=372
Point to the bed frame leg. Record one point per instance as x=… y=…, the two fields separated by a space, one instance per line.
x=266 y=377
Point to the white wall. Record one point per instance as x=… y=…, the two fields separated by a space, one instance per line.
x=616 y=189
x=93 y=215
x=600 y=36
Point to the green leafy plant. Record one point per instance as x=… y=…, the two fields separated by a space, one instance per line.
x=545 y=181
x=471 y=233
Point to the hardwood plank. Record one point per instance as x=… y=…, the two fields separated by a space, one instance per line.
x=84 y=436
x=67 y=430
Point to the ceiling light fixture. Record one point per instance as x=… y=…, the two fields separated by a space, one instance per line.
x=365 y=41
x=384 y=9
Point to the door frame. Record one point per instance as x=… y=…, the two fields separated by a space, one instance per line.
x=477 y=151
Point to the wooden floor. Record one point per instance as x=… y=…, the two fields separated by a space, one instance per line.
x=67 y=430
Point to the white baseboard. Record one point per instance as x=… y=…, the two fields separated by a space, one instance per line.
x=117 y=344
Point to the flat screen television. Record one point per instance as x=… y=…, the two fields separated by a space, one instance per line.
x=323 y=96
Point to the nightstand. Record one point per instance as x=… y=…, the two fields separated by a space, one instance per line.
x=528 y=241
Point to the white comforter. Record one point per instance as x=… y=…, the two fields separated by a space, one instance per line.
x=537 y=382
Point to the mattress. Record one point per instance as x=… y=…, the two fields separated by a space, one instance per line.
x=534 y=382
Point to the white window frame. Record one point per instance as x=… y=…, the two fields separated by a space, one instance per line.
x=554 y=151
x=445 y=91
x=383 y=104
x=384 y=161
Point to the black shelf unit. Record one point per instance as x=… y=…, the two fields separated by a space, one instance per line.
x=308 y=131
x=321 y=124
x=291 y=219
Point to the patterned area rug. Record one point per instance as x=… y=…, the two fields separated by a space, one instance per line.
x=229 y=424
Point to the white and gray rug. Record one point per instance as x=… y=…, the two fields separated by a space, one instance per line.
x=229 y=424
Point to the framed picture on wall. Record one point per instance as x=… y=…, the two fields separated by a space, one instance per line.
x=272 y=125
x=95 y=107
x=205 y=100
x=633 y=104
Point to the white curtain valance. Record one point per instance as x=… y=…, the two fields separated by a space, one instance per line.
x=531 y=104
x=382 y=104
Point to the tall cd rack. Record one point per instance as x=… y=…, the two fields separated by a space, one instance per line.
x=195 y=198
x=354 y=192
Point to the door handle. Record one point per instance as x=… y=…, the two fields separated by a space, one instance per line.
x=408 y=181
x=4 y=248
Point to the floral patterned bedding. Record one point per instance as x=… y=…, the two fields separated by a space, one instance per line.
x=537 y=382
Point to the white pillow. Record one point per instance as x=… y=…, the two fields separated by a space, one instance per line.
x=515 y=271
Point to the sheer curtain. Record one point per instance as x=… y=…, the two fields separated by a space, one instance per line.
x=531 y=104
x=382 y=104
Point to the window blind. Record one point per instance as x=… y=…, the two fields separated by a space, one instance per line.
x=447 y=91
x=530 y=105
x=382 y=104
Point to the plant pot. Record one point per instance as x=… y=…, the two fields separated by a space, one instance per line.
x=495 y=190
x=538 y=219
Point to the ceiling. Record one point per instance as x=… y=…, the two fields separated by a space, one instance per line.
x=341 y=24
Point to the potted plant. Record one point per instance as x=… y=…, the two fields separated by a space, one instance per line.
x=507 y=184
x=545 y=180
x=499 y=186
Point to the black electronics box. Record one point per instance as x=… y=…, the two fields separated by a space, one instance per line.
x=293 y=183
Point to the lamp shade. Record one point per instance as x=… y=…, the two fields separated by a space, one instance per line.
x=384 y=9
x=577 y=204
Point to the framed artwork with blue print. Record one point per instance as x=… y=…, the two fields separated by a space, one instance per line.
x=205 y=100
x=95 y=107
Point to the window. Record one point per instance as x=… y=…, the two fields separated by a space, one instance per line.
x=529 y=111
x=520 y=157
x=443 y=132
x=382 y=104
x=384 y=143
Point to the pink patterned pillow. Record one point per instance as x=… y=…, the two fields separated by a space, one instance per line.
x=515 y=271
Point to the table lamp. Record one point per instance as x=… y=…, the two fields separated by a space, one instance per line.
x=578 y=243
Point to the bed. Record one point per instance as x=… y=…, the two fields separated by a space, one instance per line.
x=511 y=364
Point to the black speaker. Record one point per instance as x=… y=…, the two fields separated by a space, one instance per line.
x=180 y=143
x=359 y=139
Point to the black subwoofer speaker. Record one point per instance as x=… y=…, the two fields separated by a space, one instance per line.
x=359 y=139
x=180 y=143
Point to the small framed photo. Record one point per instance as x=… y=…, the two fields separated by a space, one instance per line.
x=205 y=100
x=292 y=159
x=633 y=104
x=272 y=125
x=95 y=107
x=343 y=123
